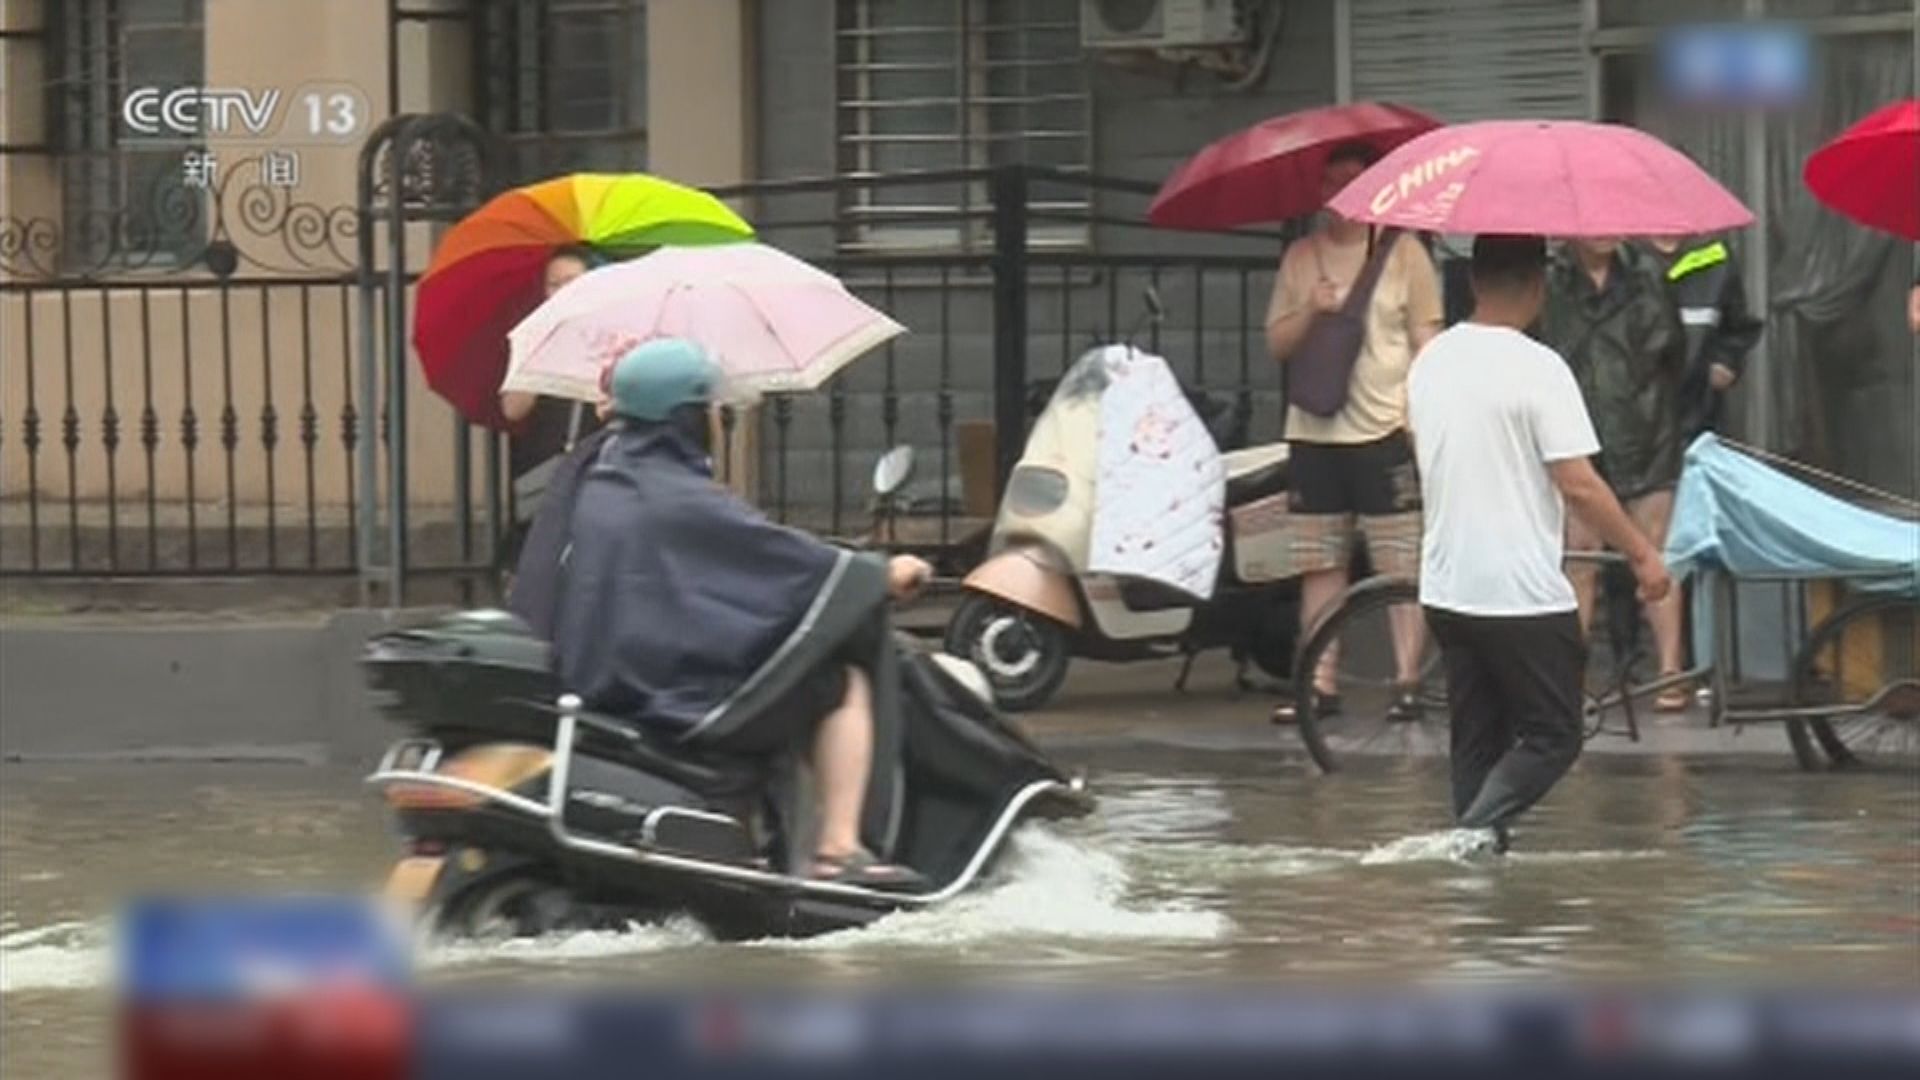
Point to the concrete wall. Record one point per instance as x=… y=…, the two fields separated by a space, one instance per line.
x=1146 y=119
x=200 y=690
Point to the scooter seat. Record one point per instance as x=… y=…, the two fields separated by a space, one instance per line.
x=703 y=771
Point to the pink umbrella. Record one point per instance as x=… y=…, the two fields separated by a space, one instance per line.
x=770 y=321
x=1550 y=177
x=1271 y=171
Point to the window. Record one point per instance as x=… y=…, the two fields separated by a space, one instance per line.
x=123 y=196
x=957 y=84
x=564 y=81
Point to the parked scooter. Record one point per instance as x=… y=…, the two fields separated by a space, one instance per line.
x=1034 y=604
x=523 y=816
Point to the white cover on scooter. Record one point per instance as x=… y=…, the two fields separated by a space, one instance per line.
x=1161 y=486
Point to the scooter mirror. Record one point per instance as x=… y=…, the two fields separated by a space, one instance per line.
x=893 y=470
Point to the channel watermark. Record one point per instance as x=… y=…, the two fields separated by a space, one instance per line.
x=310 y=113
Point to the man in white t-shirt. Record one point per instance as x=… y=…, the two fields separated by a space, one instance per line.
x=1502 y=438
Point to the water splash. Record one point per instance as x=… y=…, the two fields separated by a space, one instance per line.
x=1050 y=886
x=1447 y=845
x=636 y=940
x=73 y=955
x=1476 y=846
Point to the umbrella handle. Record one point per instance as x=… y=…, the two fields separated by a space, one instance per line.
x=573 y=424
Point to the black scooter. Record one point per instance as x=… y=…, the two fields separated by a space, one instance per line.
x=524 y=813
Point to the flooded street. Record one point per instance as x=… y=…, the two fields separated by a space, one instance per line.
x=1217 y=854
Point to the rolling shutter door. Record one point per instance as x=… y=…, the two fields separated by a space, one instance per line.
x=1471 y=59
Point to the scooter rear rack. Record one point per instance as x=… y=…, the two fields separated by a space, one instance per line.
x=420 y=771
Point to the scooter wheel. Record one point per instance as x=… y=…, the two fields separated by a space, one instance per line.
x=1024 y=655
x=510 y=906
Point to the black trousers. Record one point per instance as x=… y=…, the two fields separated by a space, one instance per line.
x=1513 y=686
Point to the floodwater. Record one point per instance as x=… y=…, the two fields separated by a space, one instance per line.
x=1217 y=854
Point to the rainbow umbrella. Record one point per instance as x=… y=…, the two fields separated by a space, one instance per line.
x=487 y=273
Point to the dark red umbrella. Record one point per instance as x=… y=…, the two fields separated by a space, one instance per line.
x=1871 y=173
x=1271 y=171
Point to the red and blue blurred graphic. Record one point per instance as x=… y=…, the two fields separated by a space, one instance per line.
x=284 y=987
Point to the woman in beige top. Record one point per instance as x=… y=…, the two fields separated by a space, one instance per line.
x=1354 y=470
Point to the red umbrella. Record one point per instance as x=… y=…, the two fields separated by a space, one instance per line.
x=1871 y=173
x=1548 y=177
x=1271 y=171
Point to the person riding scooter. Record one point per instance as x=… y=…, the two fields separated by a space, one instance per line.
x=684 y=609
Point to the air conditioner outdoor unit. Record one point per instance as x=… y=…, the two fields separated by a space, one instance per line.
x=1161 y=24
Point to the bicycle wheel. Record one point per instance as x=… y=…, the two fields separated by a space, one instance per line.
x=1863 y=662
x=1352 y=649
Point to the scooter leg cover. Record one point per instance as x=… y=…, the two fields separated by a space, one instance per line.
x=849 y=625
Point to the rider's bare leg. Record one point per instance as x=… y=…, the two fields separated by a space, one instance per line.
x=842 y=758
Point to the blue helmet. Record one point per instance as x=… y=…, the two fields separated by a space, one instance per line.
x=661 y=375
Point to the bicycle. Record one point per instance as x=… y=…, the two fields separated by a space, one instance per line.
x=1852 y=696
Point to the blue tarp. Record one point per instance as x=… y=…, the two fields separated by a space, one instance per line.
x=1736 y=514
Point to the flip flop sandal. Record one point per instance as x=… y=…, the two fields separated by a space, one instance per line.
x=864 y=869
x=1673 y=701
x=1406 y=707
x=1325 y=706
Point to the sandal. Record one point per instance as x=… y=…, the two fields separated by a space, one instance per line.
x=1406 y=707
x=865 y=869
x=1673 y=700
x=1325 y=706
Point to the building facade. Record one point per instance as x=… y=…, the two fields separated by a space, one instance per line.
x=180 y=362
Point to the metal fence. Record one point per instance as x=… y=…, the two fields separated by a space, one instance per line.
x=154 y=478
x=207 y=419
x=994 y=318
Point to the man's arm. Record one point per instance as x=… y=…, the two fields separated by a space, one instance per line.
x=1593 y=501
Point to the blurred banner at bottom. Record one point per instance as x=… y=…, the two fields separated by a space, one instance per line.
x=245 y=988
x=294 y=988
x=1004 y=1031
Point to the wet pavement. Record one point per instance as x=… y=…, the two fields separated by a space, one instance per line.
x=1217 y=853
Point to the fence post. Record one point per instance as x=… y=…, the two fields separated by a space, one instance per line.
x=396 y=342
x=1009 y=193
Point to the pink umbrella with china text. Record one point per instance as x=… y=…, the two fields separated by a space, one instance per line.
x=1549 y=177
x=770 y=321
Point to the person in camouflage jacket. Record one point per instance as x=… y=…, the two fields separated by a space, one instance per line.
x=1609 y=313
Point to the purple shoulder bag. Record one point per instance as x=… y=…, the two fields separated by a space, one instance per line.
x=1321 y=370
